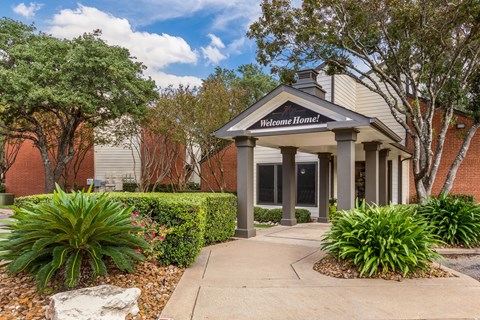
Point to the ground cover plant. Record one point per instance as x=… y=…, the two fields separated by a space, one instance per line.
x=192 y=220
x=381 y=239
x=275 y=215
x=71 y=238
x=456 y=220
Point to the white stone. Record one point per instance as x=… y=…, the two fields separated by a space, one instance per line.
x=104 y=302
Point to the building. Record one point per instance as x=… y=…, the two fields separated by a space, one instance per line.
x=326 y=137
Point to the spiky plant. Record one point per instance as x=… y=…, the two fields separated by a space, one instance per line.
x=70 y=236
x=381 y=239
x=454 y=220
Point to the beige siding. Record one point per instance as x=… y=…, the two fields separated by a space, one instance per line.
x=345 y=93
x=373 y=105
x=326 y=83
x=112 y=163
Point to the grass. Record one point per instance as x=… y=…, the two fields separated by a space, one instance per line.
x=262 y=226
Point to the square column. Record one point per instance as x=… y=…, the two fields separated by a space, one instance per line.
x=245 y=147
x=383 y=177
x=324 y=187
x=289 y=186
x=371 y=171
x=345 y=167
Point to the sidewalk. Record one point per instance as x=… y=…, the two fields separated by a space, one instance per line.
x=271 y=277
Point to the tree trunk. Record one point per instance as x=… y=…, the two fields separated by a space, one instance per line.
x=452 y=173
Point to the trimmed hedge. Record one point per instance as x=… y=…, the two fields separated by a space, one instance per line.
x=196 y=219
x=275 y=215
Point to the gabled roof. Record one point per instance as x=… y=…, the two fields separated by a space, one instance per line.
x=341 y=117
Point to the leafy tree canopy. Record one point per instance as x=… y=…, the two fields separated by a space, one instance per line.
x=404 y=50
x=50 y=85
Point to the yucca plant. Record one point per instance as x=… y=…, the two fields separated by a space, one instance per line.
x=381 y=239
x=71 y=237
x=455 y=221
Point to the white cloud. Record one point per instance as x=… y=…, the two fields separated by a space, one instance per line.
x=156 y=51
x=240 y=12
x=235 y=46
x=164 y=80
x=212 y=52
x=216 y=41
x=27 y=11
x=213 y=55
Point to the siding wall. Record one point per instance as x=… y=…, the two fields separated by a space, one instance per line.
x=345 y=92
x=373 y=105
x=114 y=162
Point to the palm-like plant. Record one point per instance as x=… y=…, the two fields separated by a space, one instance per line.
x=64 y=236
x=455 y=221
x=381 y=239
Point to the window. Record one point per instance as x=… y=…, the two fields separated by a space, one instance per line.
x=269 y=184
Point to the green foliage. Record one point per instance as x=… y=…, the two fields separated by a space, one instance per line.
x=50 y=88
x=130 y=186
x=64 y=235
x=195 y=219
x=432 y=45
x=275 y=215
x=221 y=217
x=455 y=221
x=379 y=239
x=153 y=233
x=462 y=197
x=303 y=215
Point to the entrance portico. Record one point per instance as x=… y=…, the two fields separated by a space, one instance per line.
x=297 y=120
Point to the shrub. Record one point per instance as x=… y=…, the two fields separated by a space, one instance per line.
x=275 y=215
x=303 y=215
x=63 y=236
x=153 y=233
x=221 y=210
x=378 y=239
x=463 y=197
x=195 y=219
x=455 y=221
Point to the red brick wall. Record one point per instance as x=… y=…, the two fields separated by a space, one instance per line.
x=229 y=160
x=467 y=180
x=27 y=177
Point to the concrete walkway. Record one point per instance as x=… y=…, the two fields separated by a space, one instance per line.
x=271 y=277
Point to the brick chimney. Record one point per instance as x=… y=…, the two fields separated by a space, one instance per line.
x=307 y=82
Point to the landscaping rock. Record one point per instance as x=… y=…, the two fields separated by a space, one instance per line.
x=103 y=302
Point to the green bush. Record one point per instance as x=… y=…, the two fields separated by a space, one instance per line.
x=275 y=215
x=378 y=239
x=303 y=215
x=221 y=212
x=60 y=237
x=195 y=219
x=455 y=221
x=463 y=197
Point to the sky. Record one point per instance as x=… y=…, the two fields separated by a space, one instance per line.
x=180 y=41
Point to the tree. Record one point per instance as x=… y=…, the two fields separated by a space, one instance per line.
x=49 y=88
x=195 y=113
x=419 y=56
x=9 y=149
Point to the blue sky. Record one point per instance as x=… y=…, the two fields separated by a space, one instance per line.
x=180 y=41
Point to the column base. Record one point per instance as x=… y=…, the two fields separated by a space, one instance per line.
x=323 y=219
x=288 y=222
x=245 y=233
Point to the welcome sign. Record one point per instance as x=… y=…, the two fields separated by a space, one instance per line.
x=290 y=114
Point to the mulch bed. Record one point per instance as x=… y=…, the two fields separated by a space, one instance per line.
x=19 y=299
x=332 y=267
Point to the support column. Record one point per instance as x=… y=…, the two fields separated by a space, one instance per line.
x=245 y=147
x=324 y=186
x=383 y=177
x=345 y=167
x=371 y=171
x=289 y=186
